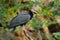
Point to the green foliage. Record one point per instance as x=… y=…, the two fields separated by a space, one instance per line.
x=8 y=7
x=15 y=5
x=7 y=12
x=57 y=35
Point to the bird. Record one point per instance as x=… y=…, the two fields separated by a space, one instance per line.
x=20 y=19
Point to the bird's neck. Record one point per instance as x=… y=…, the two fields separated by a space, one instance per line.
x=31 y=14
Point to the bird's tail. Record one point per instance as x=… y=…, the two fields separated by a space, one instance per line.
x=9 y=28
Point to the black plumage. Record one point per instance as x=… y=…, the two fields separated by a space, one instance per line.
x=21 y=18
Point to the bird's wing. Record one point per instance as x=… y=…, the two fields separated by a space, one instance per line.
x=24 y=18
x=19 y=19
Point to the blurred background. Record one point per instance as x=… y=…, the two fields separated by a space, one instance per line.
x=44 y=25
